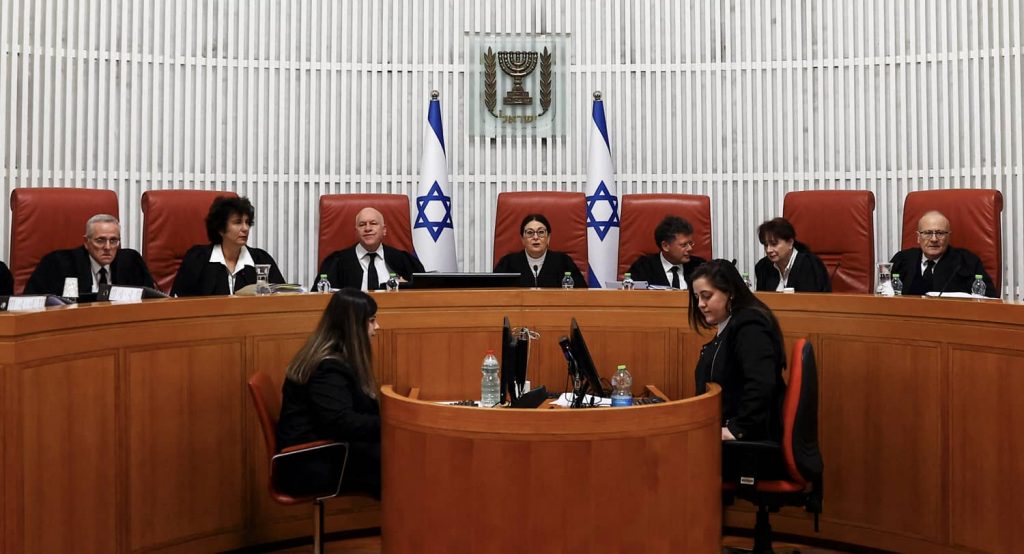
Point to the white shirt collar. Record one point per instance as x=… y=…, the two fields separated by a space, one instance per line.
x=539 y=262
x=94 y=266
x=667 y=266
x=361 y=252
x=924 y=261
x=784 y=275
x=244 y=258
x=721 y=326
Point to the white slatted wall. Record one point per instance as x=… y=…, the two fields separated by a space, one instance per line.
x=285 y=100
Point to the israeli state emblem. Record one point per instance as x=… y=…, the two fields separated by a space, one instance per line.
x=516 y=68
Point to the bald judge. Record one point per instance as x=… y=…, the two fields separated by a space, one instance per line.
x=935 y=266
x=367 y=264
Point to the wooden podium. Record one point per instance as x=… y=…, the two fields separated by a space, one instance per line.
x=462 y=479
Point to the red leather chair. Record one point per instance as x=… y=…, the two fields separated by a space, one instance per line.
x=838 y=225
x=48 y=219
x=338 y=221
x=566 y=211
x=773 y=474
x=266 y=397
x=173 y=222
x=641 y=213
x=974 y=217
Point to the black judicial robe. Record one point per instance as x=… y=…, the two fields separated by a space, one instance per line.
x=127 y=269
x=807 y=275
x=648 y=268
x=954 y=272
x=6 y=280
x=198 y=276
x=343 y=269
x=550 y=275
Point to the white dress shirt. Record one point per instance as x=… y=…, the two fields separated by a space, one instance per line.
x=94 y=268
x=668 y=271
x=784 y=275
x=383 y=271
x=535 y=264
x=244 y=259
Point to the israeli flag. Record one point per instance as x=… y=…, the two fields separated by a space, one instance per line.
x=602 y=204
x=433 y=234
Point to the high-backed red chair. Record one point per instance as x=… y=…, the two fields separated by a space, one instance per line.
x=788 y=473
x=338 y=221
x=838 y=226
x=974 y=218
x=173 y=221
x=641 y=213
x=566 y=211
x=266 y=397
x=48 y=219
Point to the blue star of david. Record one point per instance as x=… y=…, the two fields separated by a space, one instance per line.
x=435 y=228
x=602 y=195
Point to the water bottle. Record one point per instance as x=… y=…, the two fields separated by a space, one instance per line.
x=627 y=282
x=567 y=282
x=746 y=281
x=897 y=285
x=490 y=385
x=622 y=391
x=392 y=283
x=978 y=287
x=323 y=286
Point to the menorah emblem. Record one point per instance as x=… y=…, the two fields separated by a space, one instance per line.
x=517 y=65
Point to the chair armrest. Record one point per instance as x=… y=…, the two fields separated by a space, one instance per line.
x=307 y=446
x=314 y=450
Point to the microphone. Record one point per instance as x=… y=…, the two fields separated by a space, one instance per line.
x=949 y=279
x=566 y=347
x=536 y=273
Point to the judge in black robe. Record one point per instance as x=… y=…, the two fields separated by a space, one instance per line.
x=952 y=269
x=806 y=272
x=674 y=239
x=536 y=265
x=344 y=270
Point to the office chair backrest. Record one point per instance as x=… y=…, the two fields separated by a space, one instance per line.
x=800 y=417
x=267 y=399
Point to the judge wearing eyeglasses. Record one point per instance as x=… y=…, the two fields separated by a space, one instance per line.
x=674 y=263
x=537 y=265
x=935 y=266
x=99 y=261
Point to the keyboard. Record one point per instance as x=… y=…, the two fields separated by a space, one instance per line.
x=647 y=400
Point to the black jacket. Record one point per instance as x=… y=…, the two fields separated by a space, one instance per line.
x=6 y=280
x=343 y=269
x=550 y=275
x=198 y=276
x=128 y=269
x=807 y=275
x=954 y=273
x=746 y=359
x=648 y=268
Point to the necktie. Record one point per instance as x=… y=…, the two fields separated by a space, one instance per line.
x=102 y=276
x=372 y=281
x=675 y=276
x=929 y=275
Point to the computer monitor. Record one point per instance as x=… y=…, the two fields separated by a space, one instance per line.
x=463 y=280
x=590 y=381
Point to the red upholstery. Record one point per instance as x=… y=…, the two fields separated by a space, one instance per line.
x=974 y=219
x=838 y=226
x=173 y=222
x=641 y=214
x=566 y=211
x=338 y=220
x=48 y=219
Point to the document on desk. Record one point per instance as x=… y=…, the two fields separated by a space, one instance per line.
x=958 y=295
x=565 y=400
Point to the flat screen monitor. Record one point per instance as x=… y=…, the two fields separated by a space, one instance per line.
x=590 y=381
x=463 y=280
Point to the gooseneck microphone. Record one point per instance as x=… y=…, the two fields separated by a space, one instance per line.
x=536 y=273
x=949 y=279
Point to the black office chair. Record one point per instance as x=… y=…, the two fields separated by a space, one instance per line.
x=773 y=474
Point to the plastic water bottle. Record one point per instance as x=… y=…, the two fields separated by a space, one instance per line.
x=622 y=387
x=324 y=284
x=746 y=281
x=627 y=282
x=490 y=385
x=567 y=282
x=897 y=285
x=978 y=287
x=392 y=283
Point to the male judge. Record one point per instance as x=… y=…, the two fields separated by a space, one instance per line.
x=935 y=266
x=673 y=264
x=367 y=264
x=99 y=261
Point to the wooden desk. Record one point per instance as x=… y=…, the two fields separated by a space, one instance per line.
x=459 y=479
x=128 y=427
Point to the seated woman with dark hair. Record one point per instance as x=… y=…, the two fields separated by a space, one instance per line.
x=330 y=393
x=746 y=357
x=226 y=264
x=787 y=262
x=536 y=265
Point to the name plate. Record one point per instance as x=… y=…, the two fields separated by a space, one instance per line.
x=125 y=294
x=26 y=303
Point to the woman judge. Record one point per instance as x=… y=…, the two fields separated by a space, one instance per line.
x=788 y=263
x=330 y=392
x=746 y=357
x=536 y=265
x=226 y=264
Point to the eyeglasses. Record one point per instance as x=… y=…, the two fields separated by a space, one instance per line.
x=933 y=234
x=687 y=244
x=539 y=233
x=100 y=242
